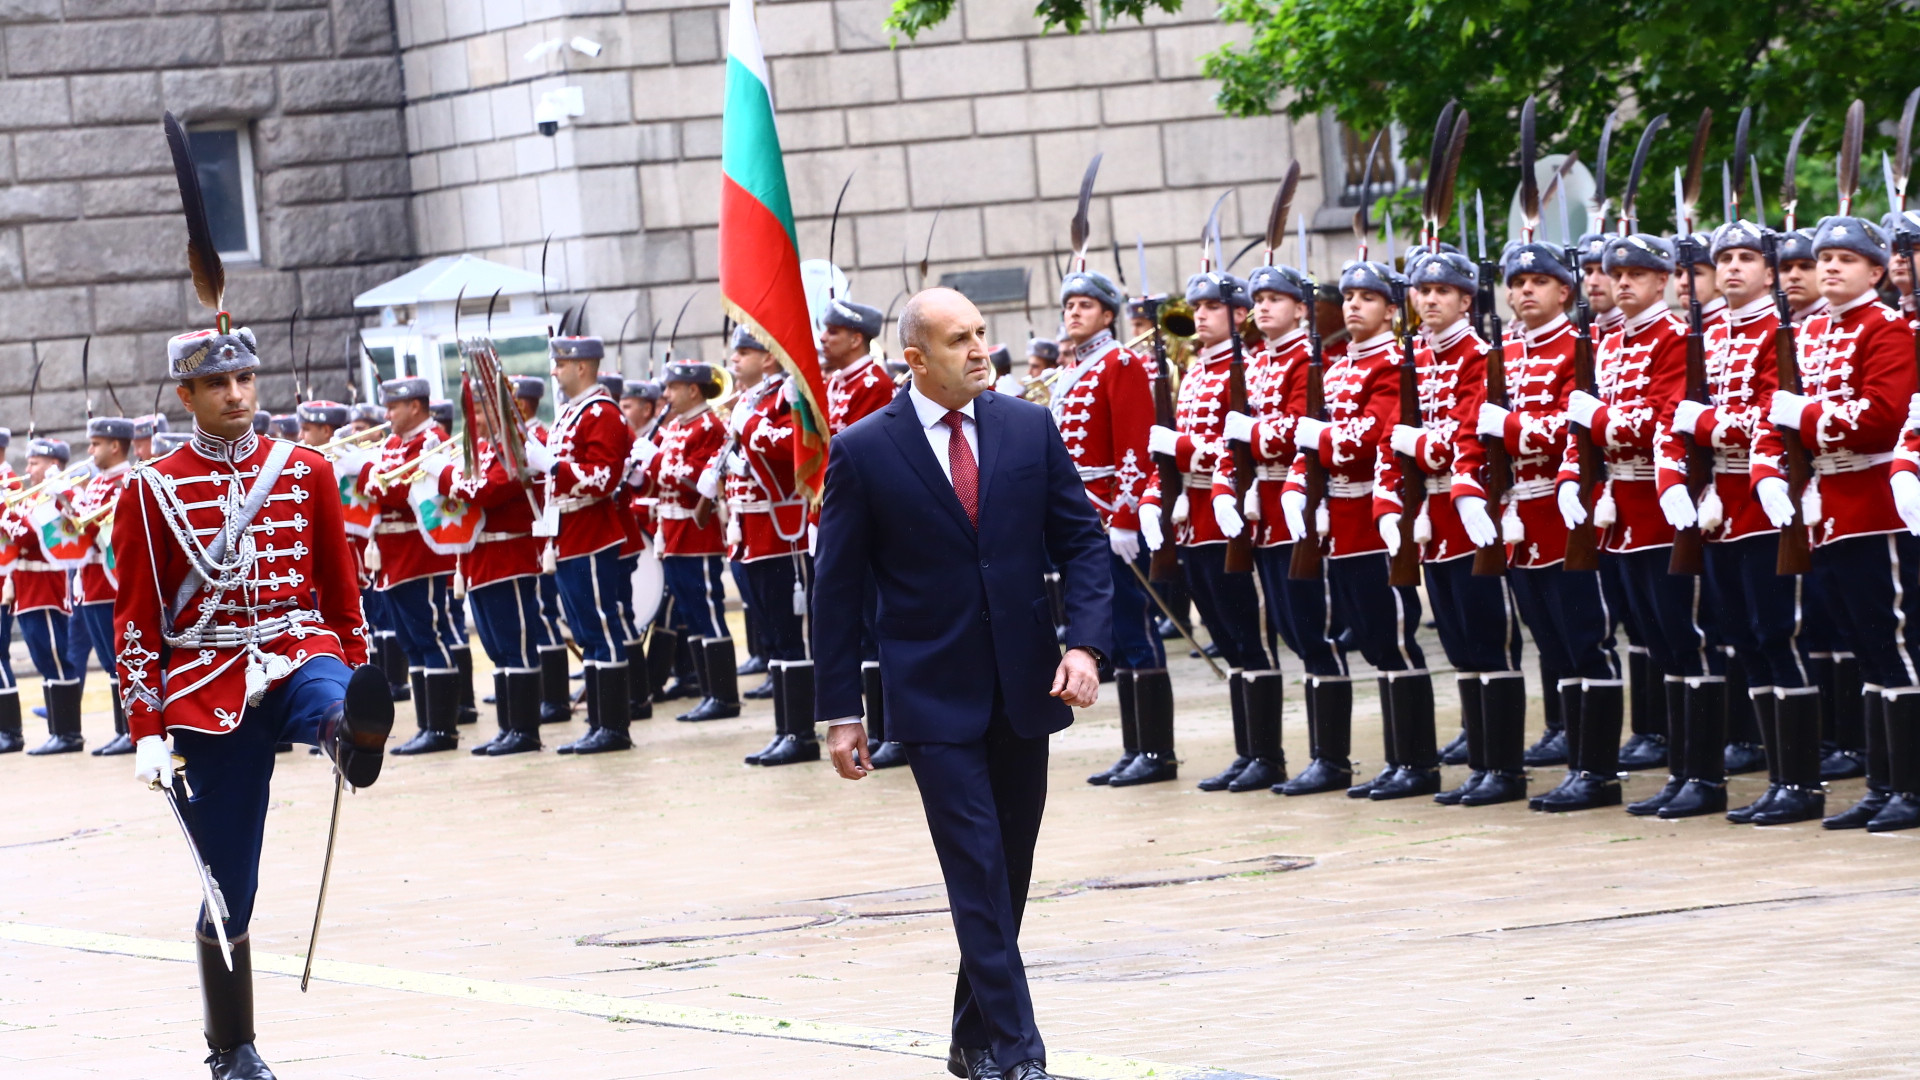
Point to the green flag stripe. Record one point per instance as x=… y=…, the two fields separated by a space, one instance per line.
x=750 y=146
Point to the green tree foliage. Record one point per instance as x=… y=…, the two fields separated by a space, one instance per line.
x=1375 y=63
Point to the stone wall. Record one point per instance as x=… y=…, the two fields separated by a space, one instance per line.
x=984 y=121
x=91 y=234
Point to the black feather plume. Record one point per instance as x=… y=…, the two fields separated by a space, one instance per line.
x=203 y=257
x=1282 y=204
x=1600 y=168
x=1739 y=177
x=1437 y=159
x=1632 y=190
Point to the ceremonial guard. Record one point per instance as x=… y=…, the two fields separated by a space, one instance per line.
x=1856 y=371
x=679 y=477
x=556 y=703
x=319 y=421
x=1640 y=370
x=585 y=458
x=1103 y=406
x=12 y=739
x=751 y=365
x=237 y=625
x=1479 y=627
x=1799 y=275
x=415 y=582
x=91 y=509
x=144 y=429
x=41 y=605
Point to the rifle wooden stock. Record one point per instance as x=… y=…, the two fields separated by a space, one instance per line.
x=1404 y=568
x=1689 y=556
x=1583 y=541
x=1239 y=559
x=1308 y=555
x=1165 y=564
x=1796 y=555
x=1491 y=561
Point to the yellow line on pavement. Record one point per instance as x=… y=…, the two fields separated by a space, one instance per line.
x=889 y=1040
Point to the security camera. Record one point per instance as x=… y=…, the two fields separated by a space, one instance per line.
x=555 y=106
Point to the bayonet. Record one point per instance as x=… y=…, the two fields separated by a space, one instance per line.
x=1140 y=255
x=1080 y=230
x=1696 y=170
x=1726 y=192
x=1480 y=222
x=1758 y=196
x=621 y=345
x=1846 y=167
x=1886 y=176
x=1362 y=229
x=674 y=335
x=86 y=385
x=1567 y=239
x=1210 y=235
x=926 y=253
x=1741 y=157
x=546 y=305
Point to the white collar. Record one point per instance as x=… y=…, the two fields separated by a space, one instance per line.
x=407 y=435
x=1286 y=339
x=1713 y=307
x=930 y=412
x=1221 y=350
x=1548 y=329
x=1449 y=337
x=1753 y=309
x=1653 y=314
x=1837 y=310
x=1094 y=346
x=1372 y=345
x=850 y=370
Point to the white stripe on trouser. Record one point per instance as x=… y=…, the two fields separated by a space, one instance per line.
x=1606 y=620
x=1899 y=611
x=520 y=613
x=600 y=609
x=1400 y=627
x=1699 y=635
x=1793 y=642
x=1326 y=625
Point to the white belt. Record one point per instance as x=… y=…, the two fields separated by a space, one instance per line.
x=35 y=566
x=1732 y=461
x=388 y=528
x=749 y=506
x=1272 y=472
x=1630 y=470
x=496 y=537
x=1534 y=489
x=1200 y=478
x=1094 y=472
x=567 y=504
x=1846 y=461
x=670 y=511
x=1349 y=489
x=1439 y=485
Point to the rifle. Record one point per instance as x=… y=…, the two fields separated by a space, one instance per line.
x=1165 y=565
x=1688 y=556
x=1583 y=540
x=1307 y=555
x=1491 y=561
x=1405 y=566
x=1794 y=558
x=1239 y=548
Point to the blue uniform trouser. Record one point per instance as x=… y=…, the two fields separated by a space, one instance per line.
x=1298 y=611
x=230 y=775
x=98 y=620
x=1668 y=611
x=423 y=619
x=738 y=571
x=1872 y=588
x=1571 y=621
x=1478 y=622
x=717 y=591
x=373 y=603
x=592 y=588
x=767 y=585
x=1135 y=644
x=687 y=583
x=628 y=564
x=6 y=648
x=507 y=615
x=550 y=604
x=1758 y=611
x=79 y=644
x=1229 y=605
x=1379 y=618
x=45 y=631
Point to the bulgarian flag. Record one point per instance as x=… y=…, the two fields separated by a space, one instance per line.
x=759 y=254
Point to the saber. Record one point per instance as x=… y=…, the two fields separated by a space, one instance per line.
x=1175 y=620
x=326 y=874
x=209 y=889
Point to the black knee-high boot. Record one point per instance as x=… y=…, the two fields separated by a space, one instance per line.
x=1795 y=749
x=1705 y=791
x=1473 y=731
x=1129 y=728
x=1153 y=712
x=227 y=1007
x=1503 y=729
x=1330 y=729
x=798 y=741
x=1388 y=747
x=1237 y=707
x=1264 y=695
x=1415 y=743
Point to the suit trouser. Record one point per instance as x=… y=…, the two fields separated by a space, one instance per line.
x=230 y=775
x=1229 y=605
x=1667 y=607
x=768 y=586
x=45 y=632
x=1298 y=611
x=1479 y=626
x=507 y=615
x=590 y=594
x=984 y=801
x=1381 y=619
x=1571 y=622
x=1872 y=587
x=687 y=583
x=422 y=614
x=1135 y=644
x=1757 y=610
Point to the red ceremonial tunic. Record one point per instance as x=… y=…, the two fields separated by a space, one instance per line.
x=1640 y=370
x=860 y=388
x=1741 y=376
x=404 y=554
x=590 y=444
x=38 y=583
x=768 y=514
x=1451 y=378
x=1362 y=389
x=1200 y=415
x=296 y=595
x=1539 y=368
x=96 y=582
x=688 y=443
x=505 y=547
x=1276 y=377
x=1856 y=362
x=1103 y=406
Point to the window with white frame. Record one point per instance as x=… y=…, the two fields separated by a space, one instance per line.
x=223 y=156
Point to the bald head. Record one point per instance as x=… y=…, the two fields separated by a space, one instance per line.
x=944 y=340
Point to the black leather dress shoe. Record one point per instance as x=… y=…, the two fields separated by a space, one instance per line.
x=1364 y=789
x=1405 y=783
x=1642 y=752
x=888 y=755
x=1455 y=752
x=755 y=665
x=1857 y=815
x=1259 y=775
x=759 y=693
x=1842 y=765
x=514 y=742
x=59 y=744
x=1744 y=757
x=1651 y=805
x=119 y=744
x=240 y=1063
x=1585 y=791
x=1743 y=815
x=1901 y=812
x=1539 y=802
x=790 y=750
x=1550 y=750
x=1497 y=787
x=603 y=740
x=1147 y=768
x=428 y=742
x=1452 y=796
x=971 y=1064
x=1695 y=797
x=1219 y=781
x=1029 y=1070
x=1791 y=804
x=1319 y=775
x=1113 y=770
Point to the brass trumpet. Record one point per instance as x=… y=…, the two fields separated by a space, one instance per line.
x=51 y=485
x=410 y=470
x=345 y=441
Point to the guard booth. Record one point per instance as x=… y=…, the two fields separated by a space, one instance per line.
x=416 y=334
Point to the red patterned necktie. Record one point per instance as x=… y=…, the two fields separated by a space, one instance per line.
x=966 y=474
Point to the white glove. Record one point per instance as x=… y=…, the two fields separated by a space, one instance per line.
x=1786 y=409
x=1162 y=440
x=1293 y=507
x=1227 y=516
x=737 y=420
x=1906 y=499
x=1405 y=440
x=813 y=539
x=1677 y=503
x=1581 y=406
x=736 y=464
x=1239 y=426
x=1686 y=416
x=539 y=458
x=1776 y=500
x=1473 y=515
x=1125 y=543
x=643 y=452
x=1150 y=526
x=152 y=761
x=1307 y=432
x=709 y=483
x=1913 y=413
x=1492 y=422
x=1390 y=532
x=1574 y=514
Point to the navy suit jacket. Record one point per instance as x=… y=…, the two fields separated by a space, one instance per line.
x=961 y=613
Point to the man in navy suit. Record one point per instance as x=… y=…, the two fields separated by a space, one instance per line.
x=956 y=499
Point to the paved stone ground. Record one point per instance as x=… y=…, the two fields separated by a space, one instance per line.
x=1318 y=937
